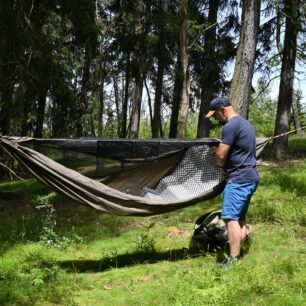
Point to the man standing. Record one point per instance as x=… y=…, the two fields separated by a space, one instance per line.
x=237 y=155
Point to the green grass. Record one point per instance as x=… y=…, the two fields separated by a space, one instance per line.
x=84 y=257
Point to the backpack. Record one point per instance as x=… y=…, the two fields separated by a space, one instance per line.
x=210 y=233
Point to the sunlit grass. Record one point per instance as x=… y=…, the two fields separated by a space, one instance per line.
x=100 y=259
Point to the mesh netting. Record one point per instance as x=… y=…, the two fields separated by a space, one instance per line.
x=195 y=174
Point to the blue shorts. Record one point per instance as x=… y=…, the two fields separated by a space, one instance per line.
x=236 y=199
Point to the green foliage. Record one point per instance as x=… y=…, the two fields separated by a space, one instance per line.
x=27 y=283
x=145 y=131
x=192 y=125
x=48 y=235
x=145 y=244
x=262 y=115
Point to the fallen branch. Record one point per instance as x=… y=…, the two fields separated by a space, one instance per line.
x=11 y=171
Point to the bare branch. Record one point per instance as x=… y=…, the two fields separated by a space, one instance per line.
x=27 y=18
x=203 y=31
x=267 y=85
x=11 y=171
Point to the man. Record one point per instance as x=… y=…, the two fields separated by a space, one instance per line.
x=237 y=155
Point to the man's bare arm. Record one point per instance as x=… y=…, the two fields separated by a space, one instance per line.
x=222 y=153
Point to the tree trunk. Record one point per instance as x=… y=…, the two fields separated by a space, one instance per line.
x=6 y=109
x=117 y=103
x=282 y=123
x=210 y=74
x=126 y=96
x=101 y=98
x=7 y=76
x=242 y=80
x=296 y=116
x=83 y=103
x=149 y=103
x=40 y=113
x=156 y=123
x=176 y=100
x=136 y=108
x=184 y=99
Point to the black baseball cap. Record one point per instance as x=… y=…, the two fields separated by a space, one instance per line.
x=217 y=103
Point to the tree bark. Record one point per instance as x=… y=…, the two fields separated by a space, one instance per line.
x=184 y=99
x=40 y=113
x=175 y=100
x=6 y=109
x=241 y=84
x=149 y=103
x=210 y=74
x=7 y=81
x=117 y=103
x=295 y=113
x=136 y=108
x=101 y=98
x=83 y=103
x=156 y=122
x=126 y=96
x=282 y=123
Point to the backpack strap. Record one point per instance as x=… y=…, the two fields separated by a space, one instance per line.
x=205 y=219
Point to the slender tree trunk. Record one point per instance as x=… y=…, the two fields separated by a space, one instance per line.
x=242 y=80
x=126 y=96
x=296 y=116
x=210 y=74
x=156 y=122
x=282 y=123
x=7 y=72
x=6 y=109
x=92 y=127
x=83 y=103
x=101 y=99
x=117 y=103
x=136 y=108
x=40 y=113
x=184 y=100
x=176 y=100
x=149 y=103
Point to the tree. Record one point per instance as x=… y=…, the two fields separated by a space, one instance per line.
x=161 y=50
x=292 y=13
x=185 y=90
x=240 y=91
x=210 y=71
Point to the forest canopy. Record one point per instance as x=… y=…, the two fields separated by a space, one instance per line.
x=142 y=69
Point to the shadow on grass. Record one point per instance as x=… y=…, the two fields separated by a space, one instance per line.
x=138 y=258
x=127 y=260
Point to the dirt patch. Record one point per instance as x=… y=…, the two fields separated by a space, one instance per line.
x=175 y=232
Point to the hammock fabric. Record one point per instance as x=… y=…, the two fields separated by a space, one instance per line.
x=163 y=175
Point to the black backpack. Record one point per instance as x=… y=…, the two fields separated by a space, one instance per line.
x=210 y=233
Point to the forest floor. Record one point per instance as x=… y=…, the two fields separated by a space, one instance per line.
x=56 y=252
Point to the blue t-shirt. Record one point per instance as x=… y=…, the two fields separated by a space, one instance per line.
x=241 y=161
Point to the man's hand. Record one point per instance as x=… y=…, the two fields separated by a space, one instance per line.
x=214 y=149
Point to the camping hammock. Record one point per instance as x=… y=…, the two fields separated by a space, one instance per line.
x=161 y=175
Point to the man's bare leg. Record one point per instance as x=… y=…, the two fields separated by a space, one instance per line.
x=234 y=231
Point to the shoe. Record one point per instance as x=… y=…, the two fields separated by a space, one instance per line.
x=229 y=260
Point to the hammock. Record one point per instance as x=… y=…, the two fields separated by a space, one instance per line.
x=163 y=175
